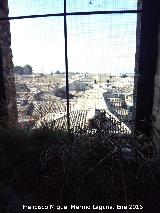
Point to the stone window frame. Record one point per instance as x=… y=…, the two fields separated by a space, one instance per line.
x=146 y=63
x=143 y=76
x=8 y=107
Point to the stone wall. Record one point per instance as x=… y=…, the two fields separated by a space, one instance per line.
x=7 y=64
x=156 y=100
x=147 y=49
x=136 y=71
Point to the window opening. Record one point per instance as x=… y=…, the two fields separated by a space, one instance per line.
x=97 y=39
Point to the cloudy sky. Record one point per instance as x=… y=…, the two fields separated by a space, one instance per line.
x=96 y=43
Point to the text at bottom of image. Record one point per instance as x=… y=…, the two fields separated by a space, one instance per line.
x=80 y=207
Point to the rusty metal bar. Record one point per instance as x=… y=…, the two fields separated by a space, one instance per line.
x=72 y=14
x=66 y=65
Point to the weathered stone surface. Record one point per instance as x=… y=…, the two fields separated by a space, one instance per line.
x=156 y=101
x=4 y=8
x=146 y=67
x=7 y=65
x=137 y=74
x=5 y=36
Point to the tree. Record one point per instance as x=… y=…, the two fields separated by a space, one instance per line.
x=27 y=70
x=18 y=70
x=124 y=76
x=57 y=72
x=94 y=80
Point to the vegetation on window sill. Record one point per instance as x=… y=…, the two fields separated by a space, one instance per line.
x=50 y=166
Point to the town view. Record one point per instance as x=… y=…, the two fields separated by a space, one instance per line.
x=41 y=99
x=101 y=58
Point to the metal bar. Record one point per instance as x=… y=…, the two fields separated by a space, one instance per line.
x=66 y=65
x=72 y=14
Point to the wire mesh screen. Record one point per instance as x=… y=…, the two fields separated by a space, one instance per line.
x=98 y=5
x=101 y=57
x=39 y=42
x=35 y=7
x=38 y=56
x=102 y=43
x=101 y=50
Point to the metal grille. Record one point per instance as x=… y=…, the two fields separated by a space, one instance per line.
x=34 y=7
x=99 y=5
x=84 y=52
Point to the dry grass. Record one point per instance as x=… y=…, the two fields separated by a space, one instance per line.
x=51 y=166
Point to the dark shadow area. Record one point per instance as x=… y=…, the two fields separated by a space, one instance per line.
x=48 y=166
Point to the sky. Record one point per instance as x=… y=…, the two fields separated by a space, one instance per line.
x=96 y=43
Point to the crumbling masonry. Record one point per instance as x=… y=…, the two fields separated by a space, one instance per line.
x=8 y=108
